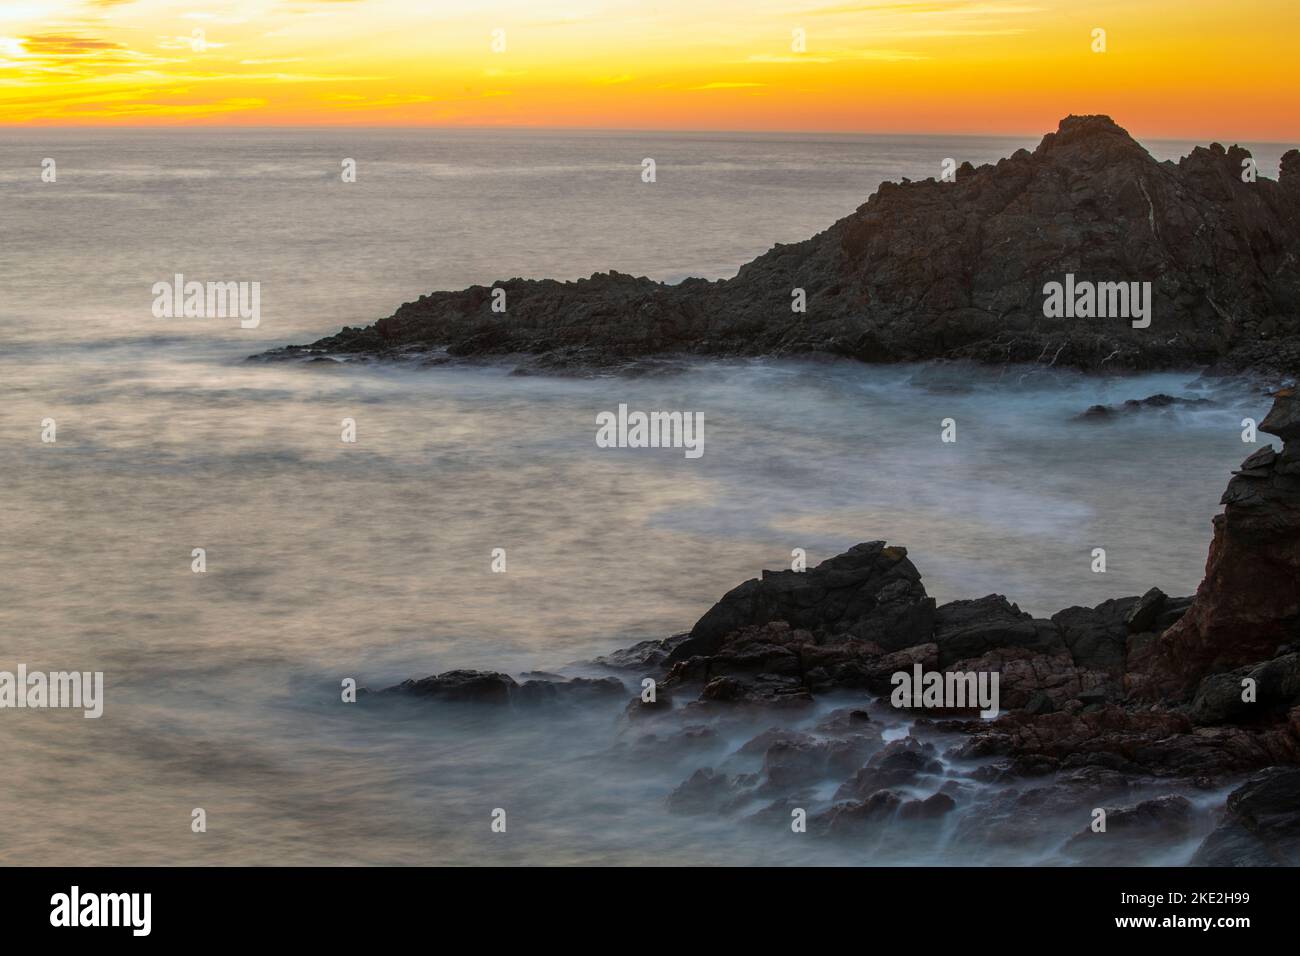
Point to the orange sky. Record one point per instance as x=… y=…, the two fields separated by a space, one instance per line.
x=1193 y=69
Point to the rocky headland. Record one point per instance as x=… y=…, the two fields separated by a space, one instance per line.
x=934 y=270
x=1145 y=706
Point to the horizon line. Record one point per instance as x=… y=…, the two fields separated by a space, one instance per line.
x=201 y=127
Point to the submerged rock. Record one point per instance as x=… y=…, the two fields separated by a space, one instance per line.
x=461 y=686
x=1135 y=832
x=490 y=687
x=1102 y=413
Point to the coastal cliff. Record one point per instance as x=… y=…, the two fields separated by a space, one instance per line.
x=936 y=270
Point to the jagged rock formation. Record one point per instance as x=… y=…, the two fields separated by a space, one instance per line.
x=872 y=593
x=1248 y=606
x=931 y=269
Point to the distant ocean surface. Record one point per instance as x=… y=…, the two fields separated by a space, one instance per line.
x=327 y=560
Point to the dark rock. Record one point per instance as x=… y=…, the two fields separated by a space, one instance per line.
x=934 y=270
x=1147 y=611
x=931 y=808
x=577 y=690
x=793 y=763
x=765 y=690
x=705 y=791
x=1219 y=700
x=860 y=817
x=845 y=720
x=1153 y=742
x=662 y=704
x=1134 y=833
x=899 y=763
x=1261 y=824
x=1097 y=637
x=645 y=657
x=774 y=735
x=461 y=686
x=965 y=629
x=1096 y=413
x=871 y=593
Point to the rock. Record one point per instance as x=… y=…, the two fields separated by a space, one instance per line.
x=765 y=690
x=705 y=791
x=1152 y=742
x=1146 y=612
x=645 y=657
x=1134 y=833
x=461 y=686
x=899 y=763
x=931 y=808
x=1283 y=419
x=1260 y=826
x=489 y=687
x=859 y=817
x=662 y=704
x=774 y=735
x=1101 y=413
x=1097 y=637
x=778 y=813
x=793 y=763
x=1249 y=603
x=845 y=720
x=933 y=270
x=1052 y=680
x=1219 y=700
x=577 y=690
x=870 y=593
x=966 y=629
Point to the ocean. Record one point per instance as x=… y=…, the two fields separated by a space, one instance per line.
x=371 y=560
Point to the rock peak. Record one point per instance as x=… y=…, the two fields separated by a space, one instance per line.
x=1089 y=122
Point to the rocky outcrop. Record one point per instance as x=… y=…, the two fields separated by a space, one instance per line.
x=1096 y=413
x=1248 y=605
x=870 y=593
x=931 y=269
x=1275 y=690
x=965 y=629
x=1261 y=824
x=492 y=688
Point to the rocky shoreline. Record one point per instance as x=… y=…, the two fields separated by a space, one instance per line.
x=932 y=270
x=1136 y=706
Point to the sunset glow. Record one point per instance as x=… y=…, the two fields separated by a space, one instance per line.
x=1171 y=68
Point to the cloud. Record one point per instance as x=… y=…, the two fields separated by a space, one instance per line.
x=725 y=86
x=59 y=44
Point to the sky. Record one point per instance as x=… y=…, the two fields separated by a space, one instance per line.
x=1172 y=69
